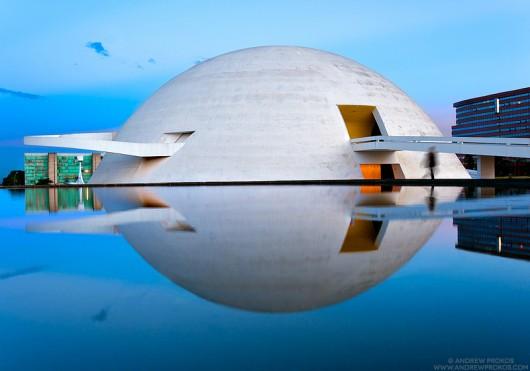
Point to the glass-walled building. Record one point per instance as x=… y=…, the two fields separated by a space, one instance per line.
x=59 y=168
x=505 y=114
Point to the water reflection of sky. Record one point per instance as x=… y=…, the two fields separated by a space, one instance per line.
x=408 y=299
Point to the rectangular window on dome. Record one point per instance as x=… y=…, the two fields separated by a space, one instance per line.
x=179 y=137
x=359 y=120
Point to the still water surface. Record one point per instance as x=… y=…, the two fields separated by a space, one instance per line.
x=263 y=277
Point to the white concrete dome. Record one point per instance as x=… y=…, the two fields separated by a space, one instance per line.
x=270 y=114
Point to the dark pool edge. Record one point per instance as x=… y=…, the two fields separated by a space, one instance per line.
x=393 y=182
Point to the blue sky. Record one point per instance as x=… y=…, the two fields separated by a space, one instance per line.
x=68 y=66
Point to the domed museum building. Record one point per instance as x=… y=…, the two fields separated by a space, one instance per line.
x=276 y=113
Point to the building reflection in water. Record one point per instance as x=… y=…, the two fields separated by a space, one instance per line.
x=507 y=236
x=275 y=248
x=60 y=199
x=504 y=236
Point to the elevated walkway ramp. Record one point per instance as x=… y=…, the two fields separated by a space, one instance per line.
x=105 y=142
x=496 y=147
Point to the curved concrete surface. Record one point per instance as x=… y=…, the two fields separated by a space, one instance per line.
x=273 y=113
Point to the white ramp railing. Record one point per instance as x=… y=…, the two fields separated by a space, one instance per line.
x=505 y=147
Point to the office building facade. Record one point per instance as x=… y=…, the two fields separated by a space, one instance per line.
x=59 y=168
x=506 y=115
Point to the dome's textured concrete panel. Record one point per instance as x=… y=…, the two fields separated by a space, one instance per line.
x=267 y=114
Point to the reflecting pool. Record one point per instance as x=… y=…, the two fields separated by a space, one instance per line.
x=264 y=277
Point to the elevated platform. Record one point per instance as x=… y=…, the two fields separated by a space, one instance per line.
x=486 y=148
x=104 y=142
x=496 y=147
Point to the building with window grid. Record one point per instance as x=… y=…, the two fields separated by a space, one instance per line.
x=59 y=168
x=505 y=114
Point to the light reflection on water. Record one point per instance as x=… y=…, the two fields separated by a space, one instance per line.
x=308 y=277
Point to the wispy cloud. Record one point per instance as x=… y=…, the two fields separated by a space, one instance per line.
x=22 y=272
x=19 y=94
x=102 y=315
x=98 y=47
x=200 y=60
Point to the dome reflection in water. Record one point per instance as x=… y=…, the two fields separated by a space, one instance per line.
x=265 y=248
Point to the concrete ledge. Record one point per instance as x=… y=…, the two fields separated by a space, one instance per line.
x=103 y=142
x=515 y=182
